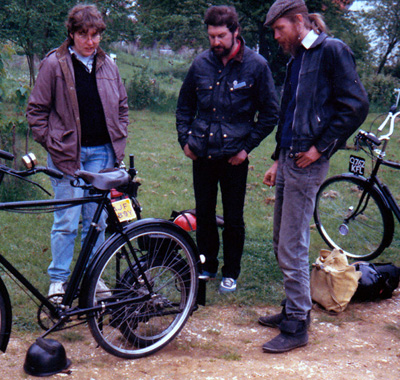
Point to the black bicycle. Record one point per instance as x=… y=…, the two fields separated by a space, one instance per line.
x=354 y=213
x=148 y=265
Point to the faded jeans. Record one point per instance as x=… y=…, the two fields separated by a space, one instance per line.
x=66 y=222
x=294 y=205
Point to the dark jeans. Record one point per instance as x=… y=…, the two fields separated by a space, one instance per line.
x=232 y=179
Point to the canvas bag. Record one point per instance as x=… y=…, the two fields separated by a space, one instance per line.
x=333 y=281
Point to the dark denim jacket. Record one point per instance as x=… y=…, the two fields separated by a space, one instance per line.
x=331 y=102
x=217 y=104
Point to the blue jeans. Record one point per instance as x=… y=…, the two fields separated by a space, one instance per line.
x=294 y=205
x=232 y=180
x=66 y=222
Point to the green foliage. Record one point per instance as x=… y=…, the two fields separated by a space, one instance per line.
x=39 y=26
x=383 y=19
x=380 y=90
x=141 y=90
x=117 y=16
x=153 y=80
x=180 y=23
x=173 y=22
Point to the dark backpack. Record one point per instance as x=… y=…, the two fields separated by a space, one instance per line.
x=377 y=281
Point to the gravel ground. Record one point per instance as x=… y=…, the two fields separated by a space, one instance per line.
x=224 y=343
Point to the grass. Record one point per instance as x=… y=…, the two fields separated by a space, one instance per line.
x=166 y=178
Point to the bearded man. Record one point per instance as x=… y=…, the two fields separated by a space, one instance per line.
x=227 y=106
x=323 y=103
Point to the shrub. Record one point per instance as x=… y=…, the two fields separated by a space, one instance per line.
x=145 y=92
x=141 y=89
x=380 y=91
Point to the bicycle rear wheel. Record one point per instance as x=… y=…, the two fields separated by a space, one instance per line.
x=147 y=302
x=5 y=316
x=353 y=218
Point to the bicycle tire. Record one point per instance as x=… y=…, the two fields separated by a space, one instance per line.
x=363 y=236
x=5 y=317
x=152 y=319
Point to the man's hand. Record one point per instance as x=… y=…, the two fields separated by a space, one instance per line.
x=238 y=158
x=189 y=153
x=304 y=159
x=270 y=175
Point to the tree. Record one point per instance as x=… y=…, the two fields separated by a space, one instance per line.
x=38 y=26
x=180 y=23
x=34 y=26
x=173 y=22
x=384 y=19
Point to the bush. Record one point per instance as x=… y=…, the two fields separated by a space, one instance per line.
x=141 y=89
x=380 y=89
x=145 y=92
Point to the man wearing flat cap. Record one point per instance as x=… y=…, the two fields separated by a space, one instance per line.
x=323 y=103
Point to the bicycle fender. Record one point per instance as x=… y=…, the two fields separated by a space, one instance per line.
x=134 y=225
x=8 y=317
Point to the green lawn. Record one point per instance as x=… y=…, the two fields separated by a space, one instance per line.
x=166 y=178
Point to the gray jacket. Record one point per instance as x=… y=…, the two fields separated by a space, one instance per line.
x=53 y=110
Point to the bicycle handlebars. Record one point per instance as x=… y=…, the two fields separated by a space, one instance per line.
x=6 y=155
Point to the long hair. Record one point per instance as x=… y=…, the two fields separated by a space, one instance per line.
x=314 y=21
x=317 y=23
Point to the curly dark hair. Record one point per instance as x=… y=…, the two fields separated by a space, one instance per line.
x=222 y=15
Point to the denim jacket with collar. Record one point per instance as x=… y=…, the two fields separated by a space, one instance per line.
x=331 y=102
x=217 y=104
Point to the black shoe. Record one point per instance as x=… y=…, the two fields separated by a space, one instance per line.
x=275 y=319
x=293 y=335
x=272 y=320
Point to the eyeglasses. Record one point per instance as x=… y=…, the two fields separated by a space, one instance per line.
x=85 y=36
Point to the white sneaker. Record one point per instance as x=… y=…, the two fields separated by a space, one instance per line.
x=56 y=292
x=102 y=290
x=227 y=285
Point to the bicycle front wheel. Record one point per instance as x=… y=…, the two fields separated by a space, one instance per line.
x=147 y=301
x=353 y=218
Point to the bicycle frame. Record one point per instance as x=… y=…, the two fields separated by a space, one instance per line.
x=384 y=190
x=83 y=257
x=373 y=179
x=150 y=270
x=371 y=192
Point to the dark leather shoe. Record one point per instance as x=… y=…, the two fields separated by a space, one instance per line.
x=272 y=320
x=293 y=335
x=275 y=320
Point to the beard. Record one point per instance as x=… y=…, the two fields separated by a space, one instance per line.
x=291 y=44
x=222 y=51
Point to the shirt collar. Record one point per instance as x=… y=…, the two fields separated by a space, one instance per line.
x=309 y=39
x=87 y=61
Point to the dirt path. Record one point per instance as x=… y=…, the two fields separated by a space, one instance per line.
x=224 y=343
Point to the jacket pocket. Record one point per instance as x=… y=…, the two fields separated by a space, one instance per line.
x=198 y=137
x=204 y=91
x=240 y=95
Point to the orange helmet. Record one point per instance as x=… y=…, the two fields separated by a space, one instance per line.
x=186 y=221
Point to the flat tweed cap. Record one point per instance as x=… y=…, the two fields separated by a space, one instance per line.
x=284 y=8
